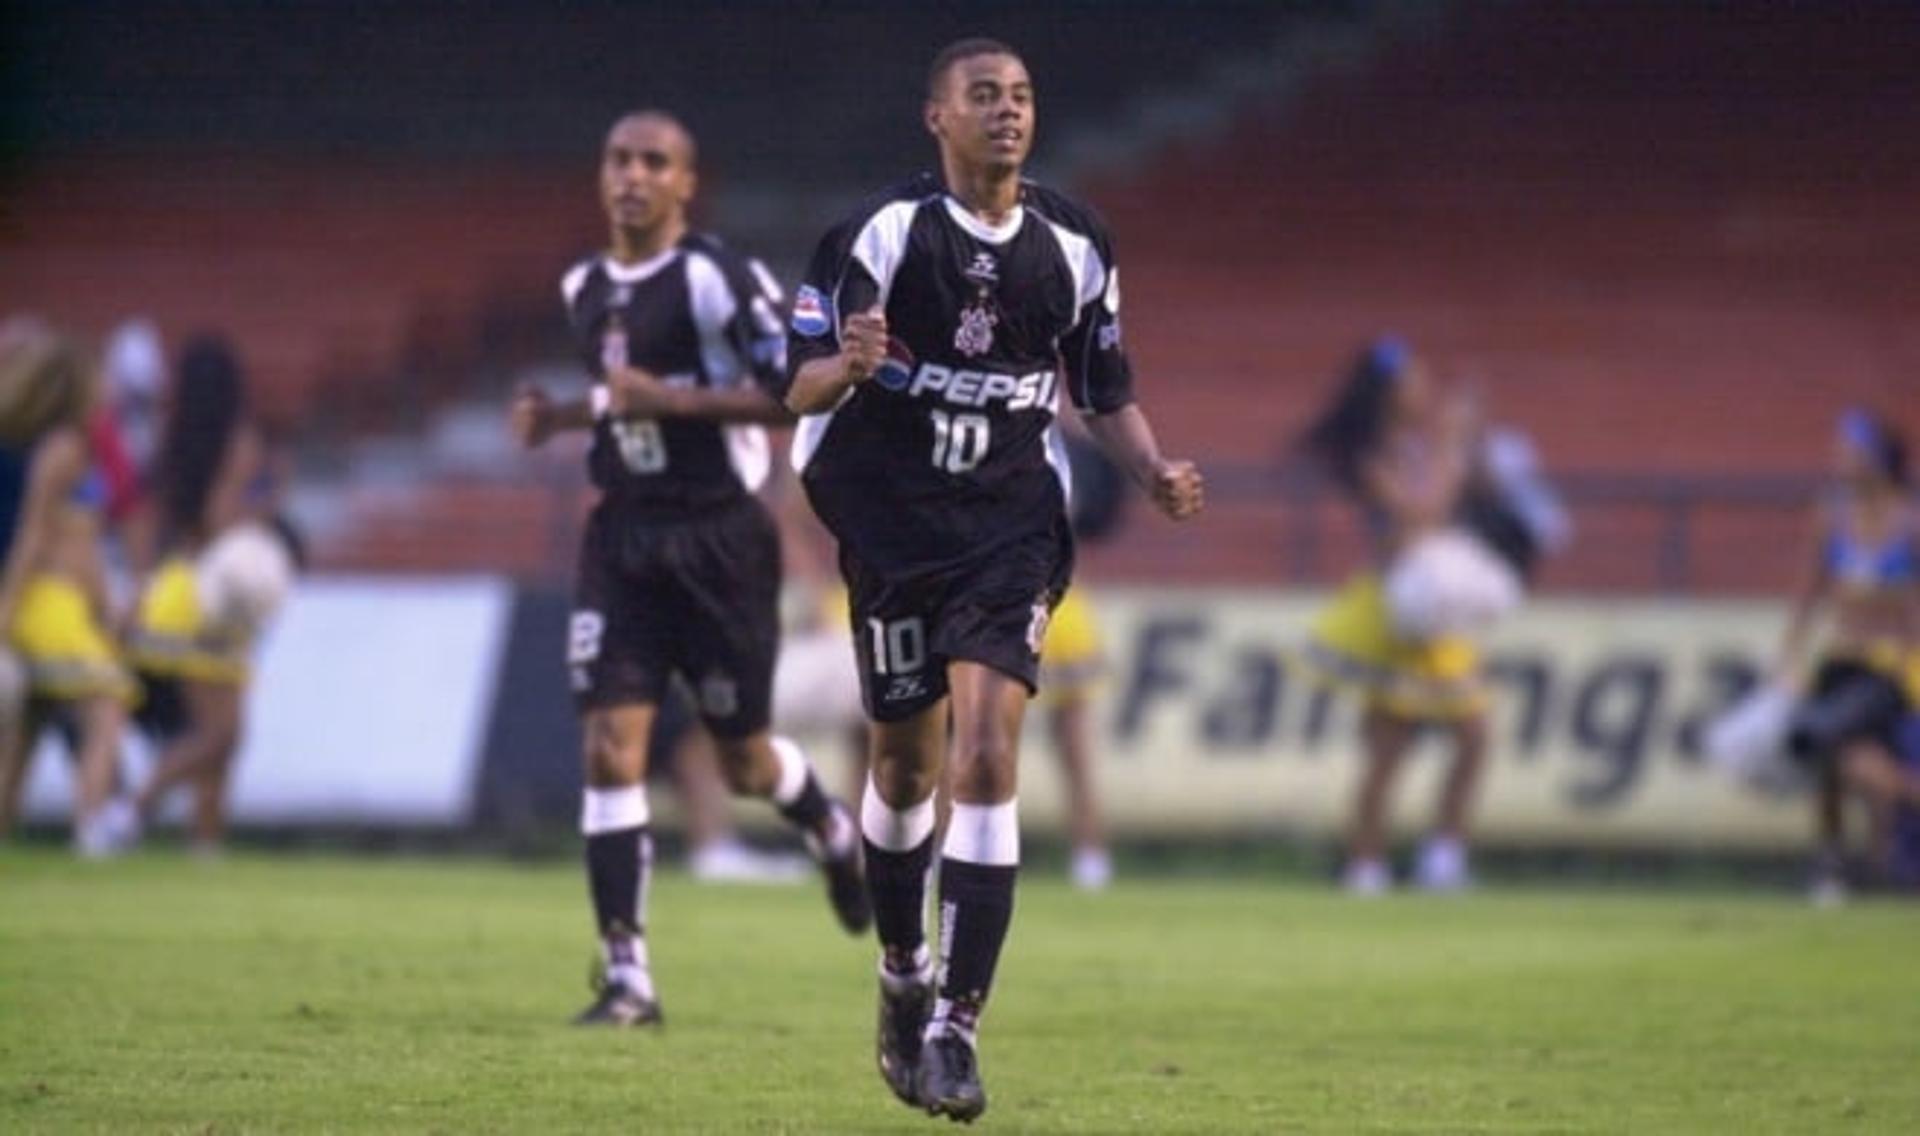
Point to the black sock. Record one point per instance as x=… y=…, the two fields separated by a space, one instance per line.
x=898 y=881
x=809 y=811
x=976 y=907
x=617 y=864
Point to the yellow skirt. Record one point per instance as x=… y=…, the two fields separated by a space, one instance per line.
x=1072 y=659
x=1352 y=644
x=67 y=653
x=1899 y=662
x=172 y=637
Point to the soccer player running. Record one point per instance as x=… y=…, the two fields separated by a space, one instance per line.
x=679 y=568
x=928 y=346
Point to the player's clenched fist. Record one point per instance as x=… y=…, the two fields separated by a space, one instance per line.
x=863 y=341
x=530 y=417
x=1178 y=489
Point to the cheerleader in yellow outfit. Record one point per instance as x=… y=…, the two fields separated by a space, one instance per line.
x=223 y=568
x=53 y=590
x=1863 y=576
x=1072 y=666
x=1405 y=453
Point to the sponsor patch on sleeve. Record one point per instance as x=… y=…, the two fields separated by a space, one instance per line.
x=812 y=312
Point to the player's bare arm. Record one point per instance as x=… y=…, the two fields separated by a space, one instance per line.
x=533 y=416
x=1175 y=486
x=819 y=384
x=636 y=393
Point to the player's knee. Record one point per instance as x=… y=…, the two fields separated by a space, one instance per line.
x=747 y=765
x=983 y=766
x=903 y=779
x=614 y=756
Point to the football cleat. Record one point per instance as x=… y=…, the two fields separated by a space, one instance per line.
x=621 y=1006
x=906 y=1001
x=846 y=874
x=948 y=1082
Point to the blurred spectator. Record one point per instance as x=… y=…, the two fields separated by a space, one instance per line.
x=1864 y=574
x=1073 y=663
x=226 y=562
x=1459 y=517
x=1903 y=860
x=53 y=599
x=124 y=432
x=136 y=374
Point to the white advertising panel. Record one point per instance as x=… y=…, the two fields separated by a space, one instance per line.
x=369 y=705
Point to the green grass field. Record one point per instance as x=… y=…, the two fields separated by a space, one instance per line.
x=287 y=993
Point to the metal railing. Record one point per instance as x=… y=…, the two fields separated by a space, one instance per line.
x=1633 y=532
x=1678 y=554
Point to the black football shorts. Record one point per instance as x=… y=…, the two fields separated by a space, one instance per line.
x=696 y=597
x=906 y=630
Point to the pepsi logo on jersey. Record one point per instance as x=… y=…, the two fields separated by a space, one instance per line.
x=812 y=312
x=961 y=387
x=897 y=371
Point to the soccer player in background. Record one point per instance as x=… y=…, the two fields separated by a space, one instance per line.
x=679 y=571
x=1864 y=573
x=929 y=345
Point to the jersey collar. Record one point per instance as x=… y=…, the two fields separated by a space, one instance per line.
x=992 y=234
x=635 y=273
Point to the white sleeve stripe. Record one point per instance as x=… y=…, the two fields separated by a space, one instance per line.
x=882 y=243
x=1083 y=261
x=714 y=307
x=769 y=287
x=573 y=281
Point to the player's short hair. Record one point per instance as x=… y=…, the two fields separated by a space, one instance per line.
x=655 y=114
x=958 y=51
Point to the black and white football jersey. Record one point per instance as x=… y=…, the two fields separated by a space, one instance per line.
x=697 y=314
x=950 y=451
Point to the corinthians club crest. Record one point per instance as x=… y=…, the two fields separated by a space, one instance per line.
x=974 y=336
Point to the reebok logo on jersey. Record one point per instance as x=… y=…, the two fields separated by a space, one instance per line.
x=812 y=312
x=978 y=388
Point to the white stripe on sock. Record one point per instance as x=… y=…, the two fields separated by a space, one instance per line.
x=891 y=829
x=794 y=768
x=613 y=810
x=984 y=834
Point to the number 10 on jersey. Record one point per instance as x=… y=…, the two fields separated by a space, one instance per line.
x=959 y=440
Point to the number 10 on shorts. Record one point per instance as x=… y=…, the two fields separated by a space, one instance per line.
x=899 y=647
